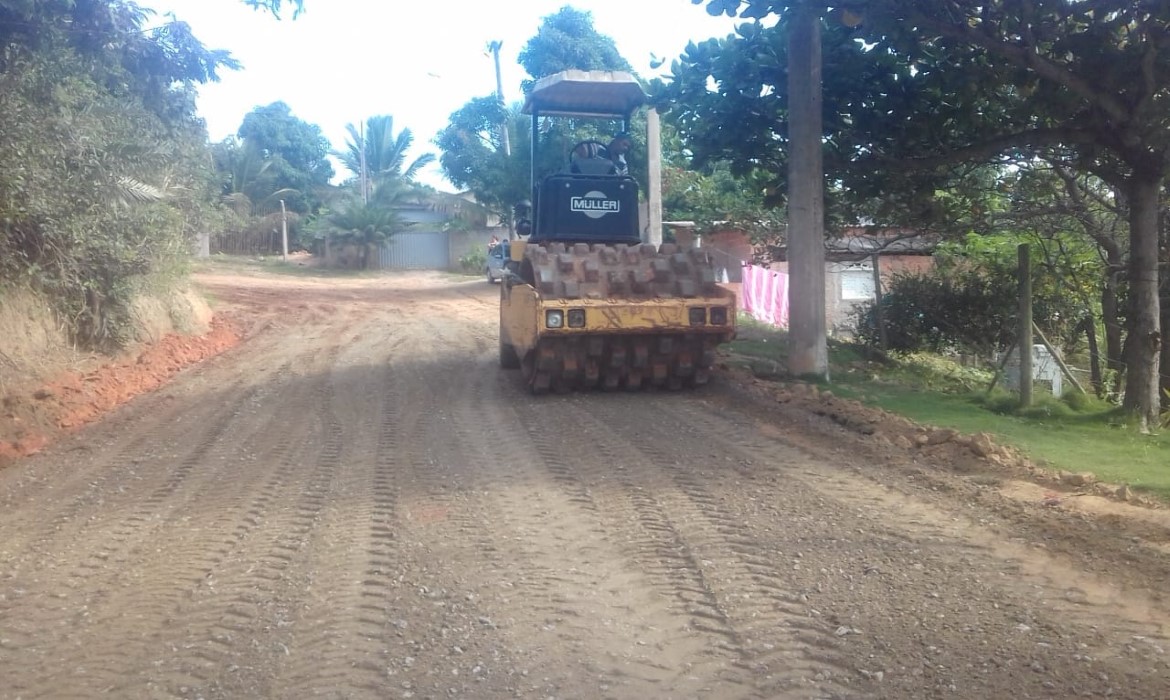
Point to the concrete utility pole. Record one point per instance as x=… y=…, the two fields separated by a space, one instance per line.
x=654 y=158
x=362 y=179
x=808 y=345
x=494 y=47
x=878 y=313
x=1024 y=339
x=283 y=231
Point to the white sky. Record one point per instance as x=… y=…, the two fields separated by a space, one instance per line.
x=342 y=61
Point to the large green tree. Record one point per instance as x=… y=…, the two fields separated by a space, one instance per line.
x=277 y=7
x=567 y=40
x=104 y=172
x=296 y=148
x=929 y=86
x=473 y=156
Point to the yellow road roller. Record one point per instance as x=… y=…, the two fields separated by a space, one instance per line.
x=584 y=302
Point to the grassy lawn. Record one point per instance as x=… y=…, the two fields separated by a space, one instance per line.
x=1076 y=434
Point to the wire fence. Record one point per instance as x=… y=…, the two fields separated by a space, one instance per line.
x=253 y=230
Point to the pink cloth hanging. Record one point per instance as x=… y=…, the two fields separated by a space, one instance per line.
x=765 y=295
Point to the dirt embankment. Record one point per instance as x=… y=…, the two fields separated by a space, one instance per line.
x=47 y=388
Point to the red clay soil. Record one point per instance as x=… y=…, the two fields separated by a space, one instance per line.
x=34 y=418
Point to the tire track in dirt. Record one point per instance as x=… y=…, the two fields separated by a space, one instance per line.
x=648 y=590
x=150 y=586
x=549 y=547
x=165 y=580
x=722 y=593
x=63 y=573
x=1011 y=584
x=99 y=484
x=737 y=585
x=355 y=633
x=270 y=588
x=337 y=642
x=240 y=609
x=259 y=592
x=438 y=643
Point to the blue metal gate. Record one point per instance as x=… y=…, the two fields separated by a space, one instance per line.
x=416 y=250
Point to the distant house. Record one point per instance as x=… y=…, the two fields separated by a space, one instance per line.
x=849 y=259
x=429 y=243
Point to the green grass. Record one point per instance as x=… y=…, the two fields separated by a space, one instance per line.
x=1078 y=434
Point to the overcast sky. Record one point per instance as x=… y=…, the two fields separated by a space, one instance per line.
x=342 y=61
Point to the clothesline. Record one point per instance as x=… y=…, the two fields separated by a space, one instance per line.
x=765 y=295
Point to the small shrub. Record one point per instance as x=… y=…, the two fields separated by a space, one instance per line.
x=473 y=262
x=1165 y=416
x=1045 y=407
x=1000 y=402
x=1085 y=403
x=941 y=373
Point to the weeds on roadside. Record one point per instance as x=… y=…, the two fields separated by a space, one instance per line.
x=1165 y=415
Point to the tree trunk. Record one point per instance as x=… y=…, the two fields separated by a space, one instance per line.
x=1089 y=325
x=1111 y=318
x=1164 y=384
x=1164 y=300
x=1145 y=340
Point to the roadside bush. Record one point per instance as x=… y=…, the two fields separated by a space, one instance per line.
x=83 y=222
x=939 y=373
x=1086 y=403
x=959 y=307
x=473 y=262
x=1072 y=403
x=960 y=310
x=1046 y=406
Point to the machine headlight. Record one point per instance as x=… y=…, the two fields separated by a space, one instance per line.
x=576 y=318
x=697 y=315
x=718 y=315
x=554 y=318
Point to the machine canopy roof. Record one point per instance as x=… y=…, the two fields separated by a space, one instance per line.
x=578 y=93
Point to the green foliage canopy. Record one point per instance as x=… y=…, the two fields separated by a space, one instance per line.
x=104 y=177
x=296 y=148
x=276 y=7
x=940 y=84
x=384 y=152
x=568 y=40
x=473 y=156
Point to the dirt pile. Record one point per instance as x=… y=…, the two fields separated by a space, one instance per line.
x=946 y=449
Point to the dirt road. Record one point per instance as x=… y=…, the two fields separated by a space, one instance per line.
x=357 y=503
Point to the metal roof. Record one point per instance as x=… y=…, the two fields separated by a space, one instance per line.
x=585 y=94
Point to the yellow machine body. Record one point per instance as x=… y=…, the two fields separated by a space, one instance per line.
x=582 y=316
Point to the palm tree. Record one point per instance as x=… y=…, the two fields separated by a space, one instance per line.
x=377 y=156
x=247 y=183
x=363 y=224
